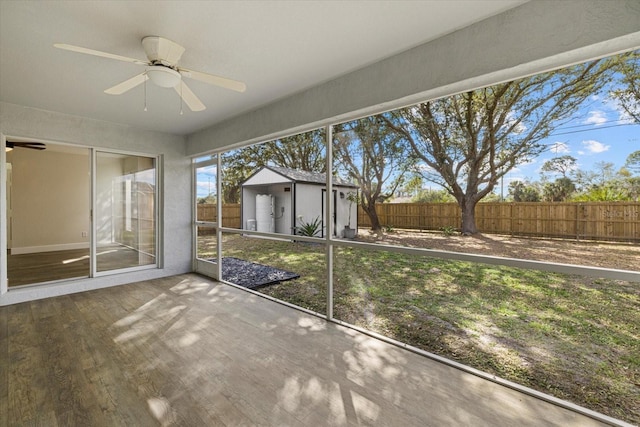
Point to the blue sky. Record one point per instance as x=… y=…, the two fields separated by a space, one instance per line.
x=600 y=131
x=206 y=181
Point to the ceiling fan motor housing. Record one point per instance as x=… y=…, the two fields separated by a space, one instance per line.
x=161 y=50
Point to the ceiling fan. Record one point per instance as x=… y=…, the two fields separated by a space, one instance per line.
x=19 y=144
x=162 y=69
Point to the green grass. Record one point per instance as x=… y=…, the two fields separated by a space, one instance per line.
x=576 y=338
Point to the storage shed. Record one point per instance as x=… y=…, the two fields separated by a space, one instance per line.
x=276 y=200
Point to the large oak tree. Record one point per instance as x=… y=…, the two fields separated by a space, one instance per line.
x=468 y=141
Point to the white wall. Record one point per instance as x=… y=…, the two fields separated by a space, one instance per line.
x=248 y=204
x=282 y=200
x=309 y=202
x=537 y=36
x=308 y=199
x=50 y=200
x=175 y=206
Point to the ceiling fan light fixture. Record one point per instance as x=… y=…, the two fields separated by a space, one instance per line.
x=163 y=76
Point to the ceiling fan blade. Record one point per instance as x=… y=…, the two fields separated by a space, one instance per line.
x=189 y=98
x=126 y=85
x=34 y=146
x=214 y=80
x=99 y=53
x=31 y=145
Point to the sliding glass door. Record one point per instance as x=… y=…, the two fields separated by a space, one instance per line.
x=125 y=213
x=74 y=212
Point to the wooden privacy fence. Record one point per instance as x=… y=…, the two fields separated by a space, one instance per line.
x=618 y=221
x=230 y=214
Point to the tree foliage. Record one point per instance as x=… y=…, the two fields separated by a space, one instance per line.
x=604 y=193
x=605 y=171
x=558 y=191
x=305 y=151
x=562 y=165
x=520 y=191
x=633 y=162
x=412 y=185
x=373 y=155
x=432 y=196
x=470 y=140
x=628 y=94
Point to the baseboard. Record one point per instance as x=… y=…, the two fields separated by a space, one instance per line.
x=49 y=248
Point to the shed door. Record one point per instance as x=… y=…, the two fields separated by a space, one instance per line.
x=333 y=214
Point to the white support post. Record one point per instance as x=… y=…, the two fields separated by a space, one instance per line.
x=329 y=218
x=3 y=217
x=194 y=215
x=93 y=237
x=219 y=215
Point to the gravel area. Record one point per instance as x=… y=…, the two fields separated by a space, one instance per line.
x=252 y=275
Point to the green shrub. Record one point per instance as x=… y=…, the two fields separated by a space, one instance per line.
x=309 y=229
x=448 y=230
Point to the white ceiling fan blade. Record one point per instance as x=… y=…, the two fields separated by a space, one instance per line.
x=99 y=53
x=214 y=80
x=189 y=98
x=126 y=85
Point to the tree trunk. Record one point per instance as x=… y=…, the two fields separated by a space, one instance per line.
x=468 y=217
x=370 y=210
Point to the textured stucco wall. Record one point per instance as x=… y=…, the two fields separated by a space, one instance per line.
x=539 y=35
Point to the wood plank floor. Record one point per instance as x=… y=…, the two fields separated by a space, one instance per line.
x=25 y=269
x=189 y=351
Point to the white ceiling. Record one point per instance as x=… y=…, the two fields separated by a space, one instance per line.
x=277 y=48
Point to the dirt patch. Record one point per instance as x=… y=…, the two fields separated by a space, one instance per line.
x=623 y=256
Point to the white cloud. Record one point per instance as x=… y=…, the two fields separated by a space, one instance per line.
x=596 y=117
x=623 y=116
x=519 y=128
x=581 y=153
x=559 y=148
x=594 y=147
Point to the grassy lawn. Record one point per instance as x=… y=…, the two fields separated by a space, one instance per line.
x=573 y=337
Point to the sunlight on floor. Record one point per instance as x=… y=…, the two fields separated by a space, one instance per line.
x=71 y=260
x=160 y=408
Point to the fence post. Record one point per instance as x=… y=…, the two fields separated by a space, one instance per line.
x=511 y=215
x=577 y=222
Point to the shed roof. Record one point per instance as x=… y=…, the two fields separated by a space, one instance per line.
x=297 y=175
